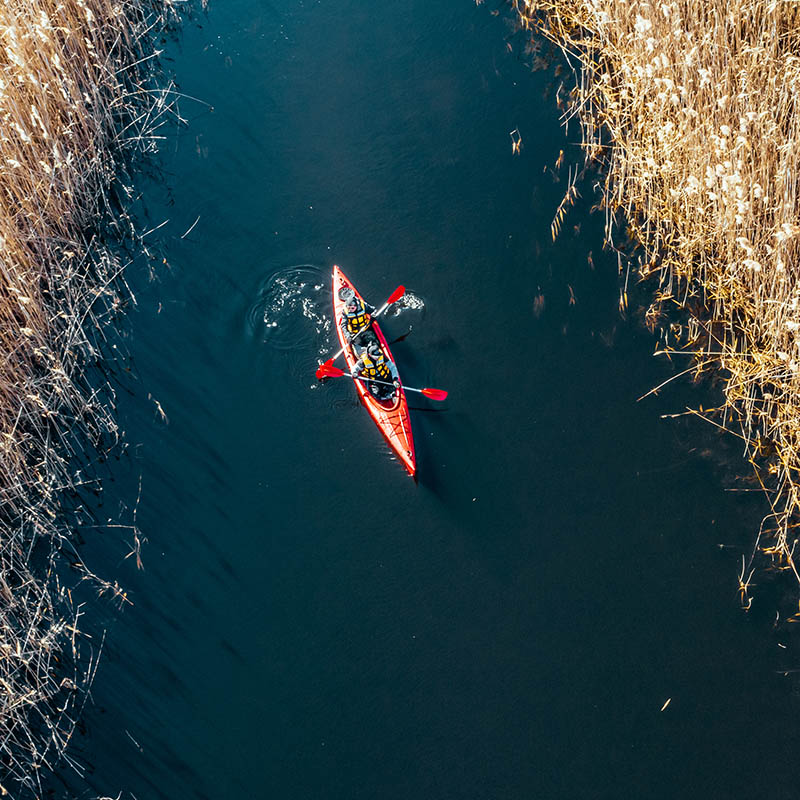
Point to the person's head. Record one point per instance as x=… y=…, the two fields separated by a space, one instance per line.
x=373 y=350
x=348 y=297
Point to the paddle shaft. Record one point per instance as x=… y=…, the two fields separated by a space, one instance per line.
x=329 y=371
x=376 y=314
x=386 y=383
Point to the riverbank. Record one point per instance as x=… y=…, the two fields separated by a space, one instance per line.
x=79 y=102
x=691 y=112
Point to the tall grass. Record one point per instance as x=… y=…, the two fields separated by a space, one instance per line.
x=78 y=100
x=692 y=108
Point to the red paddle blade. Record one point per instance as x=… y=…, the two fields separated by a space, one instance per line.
x=327 y=370
x=396 y=295
x=435 y=394
x=320 y=373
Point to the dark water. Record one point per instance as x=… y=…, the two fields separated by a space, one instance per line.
x=311 y=623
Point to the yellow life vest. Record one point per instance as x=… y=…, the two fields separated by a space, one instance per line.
x=357 y=321
x=375 y=368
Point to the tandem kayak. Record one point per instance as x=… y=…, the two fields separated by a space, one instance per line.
x=391 y=416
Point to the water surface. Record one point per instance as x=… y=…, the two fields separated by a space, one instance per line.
x=311 y=623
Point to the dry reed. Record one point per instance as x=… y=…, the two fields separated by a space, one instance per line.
x=78 y=99
x=691 y=108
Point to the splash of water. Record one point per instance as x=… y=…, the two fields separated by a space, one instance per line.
x=408 y=302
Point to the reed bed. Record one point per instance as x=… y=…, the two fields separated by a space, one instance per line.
x=79 y=99
x=692 y=110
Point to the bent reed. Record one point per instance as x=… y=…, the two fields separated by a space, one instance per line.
x=78 y=100
x=692 y=110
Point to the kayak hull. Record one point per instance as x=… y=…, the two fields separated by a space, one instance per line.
x=392 y=418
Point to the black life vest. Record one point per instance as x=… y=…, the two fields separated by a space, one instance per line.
x=375 y=368
x=357 y=320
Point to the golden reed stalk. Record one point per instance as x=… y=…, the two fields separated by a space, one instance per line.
x=692 y=108
x=78 y=100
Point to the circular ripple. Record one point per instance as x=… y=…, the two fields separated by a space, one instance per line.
x=292 y=310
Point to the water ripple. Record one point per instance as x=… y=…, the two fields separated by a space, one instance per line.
x=292 y=309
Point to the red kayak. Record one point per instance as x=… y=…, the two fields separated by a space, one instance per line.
x=390 y=415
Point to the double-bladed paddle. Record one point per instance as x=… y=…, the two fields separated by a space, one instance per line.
x=393 y=298
x=329 y=371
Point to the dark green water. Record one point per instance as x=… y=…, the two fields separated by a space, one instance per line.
x=311 y=623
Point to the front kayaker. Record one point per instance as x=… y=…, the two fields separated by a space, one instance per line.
x=374 y=366
x=356 y=320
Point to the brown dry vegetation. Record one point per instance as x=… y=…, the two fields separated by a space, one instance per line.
x=77 y=100
x=692 y=110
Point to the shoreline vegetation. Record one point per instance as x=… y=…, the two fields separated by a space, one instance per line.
x=79 y=102
x=691 y=111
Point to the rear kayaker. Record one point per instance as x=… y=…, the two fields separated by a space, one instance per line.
x=390 y=414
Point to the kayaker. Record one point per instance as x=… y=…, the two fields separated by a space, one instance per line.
x=374 y=366
x=356 y=320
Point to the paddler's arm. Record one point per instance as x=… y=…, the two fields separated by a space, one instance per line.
x=357 y=367
x=393 y=370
